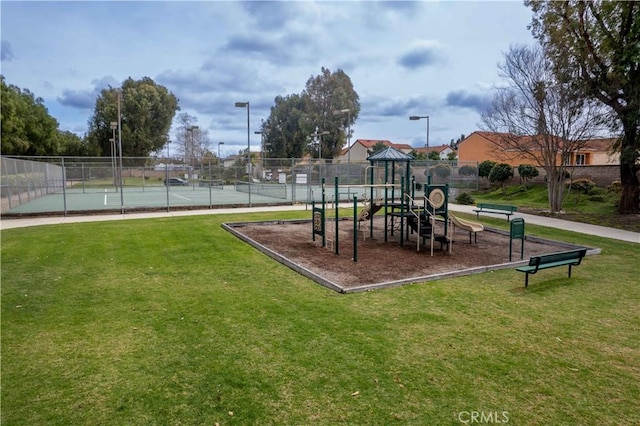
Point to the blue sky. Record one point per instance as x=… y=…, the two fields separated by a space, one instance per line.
x=404 y=58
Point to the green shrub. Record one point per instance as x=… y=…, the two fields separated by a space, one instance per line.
x=582 y=185
x=597 y=199
x=616 y=186
x=442 y=170
x=467 y=171
x=485 y=167
x=527 y=172
x=501 y=173
x=465 y=198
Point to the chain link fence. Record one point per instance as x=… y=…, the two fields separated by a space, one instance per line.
x=80 y=185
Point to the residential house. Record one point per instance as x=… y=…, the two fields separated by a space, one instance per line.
x=442 y=150
x=480 y=146
x=361 y=148
x=596 y=152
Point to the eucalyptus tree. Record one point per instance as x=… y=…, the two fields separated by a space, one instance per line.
x=27 y=127
x=146 y=112
x=286 y=131
x=332 y=105
x=327 y=104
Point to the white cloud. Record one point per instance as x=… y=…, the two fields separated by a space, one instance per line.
x=404 y=58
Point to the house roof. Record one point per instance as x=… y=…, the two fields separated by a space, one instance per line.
x=432 y=148
x=403 y=146
x=603 y=144
x=370 y=143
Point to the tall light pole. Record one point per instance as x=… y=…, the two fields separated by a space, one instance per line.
x=418 y=117
x=190 y=131
x=219 y=143
x=219 y=158
x=120 y=149
x=348 y=112
x=246 y=105
x=114 y=126
x=261 y=133
x=318 y=137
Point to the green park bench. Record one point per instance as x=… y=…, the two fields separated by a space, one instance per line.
x=495 y=209
x=551 y=260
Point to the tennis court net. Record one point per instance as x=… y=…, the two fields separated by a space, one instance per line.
x=273 y=190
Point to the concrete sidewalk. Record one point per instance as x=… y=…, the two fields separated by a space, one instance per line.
x=583 y=228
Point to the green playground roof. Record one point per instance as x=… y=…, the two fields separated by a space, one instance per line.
x=390 y=154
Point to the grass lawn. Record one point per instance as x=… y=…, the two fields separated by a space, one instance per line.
x=175 y=321
x=598 y=207
x=599 y=200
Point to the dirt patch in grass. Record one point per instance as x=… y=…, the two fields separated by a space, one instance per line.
x=389 y=263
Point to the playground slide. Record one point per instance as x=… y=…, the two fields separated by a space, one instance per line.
x=371 y=208
x=466 y=225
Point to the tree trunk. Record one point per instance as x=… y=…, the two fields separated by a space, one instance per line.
x=555 y=188
x=630 y=198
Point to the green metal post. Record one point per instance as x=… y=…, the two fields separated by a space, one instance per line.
x=355 y=228
x=336 y=215
x=324 y=231
x=402 y=201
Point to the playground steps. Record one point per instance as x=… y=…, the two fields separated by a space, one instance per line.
x=425 y=226
x=425 y=230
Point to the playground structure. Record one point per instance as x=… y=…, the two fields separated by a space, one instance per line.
x=426 y=215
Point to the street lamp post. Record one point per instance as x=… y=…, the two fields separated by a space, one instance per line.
x=318 y=137
x=191 y=149
x=418 y=117
x=120 y=149
x=348 y=112
x=219 y=158
x=114 y=126
x=246 y=105
x=261 y=133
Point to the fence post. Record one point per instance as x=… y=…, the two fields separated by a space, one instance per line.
x=293 y=182
x=166 y=183
x=64 y=187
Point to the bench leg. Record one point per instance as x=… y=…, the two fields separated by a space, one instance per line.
x=569 y=271
x=526 y=280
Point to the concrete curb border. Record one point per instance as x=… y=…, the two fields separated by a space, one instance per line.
x=231 y=227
